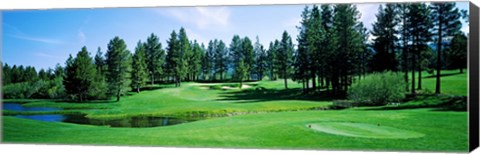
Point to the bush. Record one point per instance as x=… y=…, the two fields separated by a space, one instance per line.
x=378 y=89
x=22 y=89
x=51 y=89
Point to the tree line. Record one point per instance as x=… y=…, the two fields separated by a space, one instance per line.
x=333 y=51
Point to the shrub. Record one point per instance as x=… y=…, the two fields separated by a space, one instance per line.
x=378 y=89
x=22 y=89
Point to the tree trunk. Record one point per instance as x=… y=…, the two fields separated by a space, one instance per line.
x=419 y=87
x=118 y=95
x=314 y=82
x=439 y=52
x=307 y=86
x=152 y=80
x=241 y=83
x=138 y=89
x=303 y=85
x=461 y=70
x=285 y=80
x=413 y=75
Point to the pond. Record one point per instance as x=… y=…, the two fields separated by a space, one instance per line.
x=41 y=117
x=136 y=122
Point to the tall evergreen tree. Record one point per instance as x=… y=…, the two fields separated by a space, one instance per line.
x=207 y=62
x=248 y=55
x=155 y=57
x=385 y=41
x=457 y=52
x=315 y=45
x=196 y=62
x=139 y=68
x=271 y=57
x=119 y=67
x=186 y=53
x=345 y=33
x=260 y=59
x=80 y=72
x=237 y=56
x=419 y=28
x=403 y=16
x=174 y=58
x=446 y=18
x=220 y=58
x=284 y=57
x=301 y=60
x=101 y=87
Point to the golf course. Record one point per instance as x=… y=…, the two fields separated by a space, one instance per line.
x=303 y=77
x=260 y=115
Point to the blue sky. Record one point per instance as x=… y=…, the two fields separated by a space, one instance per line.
x=43 y=38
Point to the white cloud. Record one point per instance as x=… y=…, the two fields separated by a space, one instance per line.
x=45 y=55
x=81 y=37
x=201 y=17
x=37 y=39
x=14 y=32
x=196 y=36
x=368 y=12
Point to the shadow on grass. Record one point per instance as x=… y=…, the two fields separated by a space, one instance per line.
x=436 y=103
x=260 y=94
x=442 y=75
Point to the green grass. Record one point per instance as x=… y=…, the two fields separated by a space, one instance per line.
x=452 y=82
x=443 y=131
x=263 y=115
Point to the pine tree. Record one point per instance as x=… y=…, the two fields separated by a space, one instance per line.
x=419 y=28
x=80 y=72
x=220 y=58
x=345 y=33
x=447 y=23
x=457 y=52
x=249 y=56
x=237 y=56
x=174 y=58
x=101 y=88
x=301 y=60
x=260 y=59
x=139 y=68
x=155 y=56
x=326 y=43
x=119 y=67
x=284 y=57
x=186 y=56
x=197 y=60
x=271 y=57
x=385 y=42
x=207 y=61
x=403 y=10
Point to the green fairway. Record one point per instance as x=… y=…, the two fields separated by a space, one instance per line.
x=260 y=115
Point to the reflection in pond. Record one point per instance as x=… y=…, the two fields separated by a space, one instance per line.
x=41 y=117
x=139 y=121
x=127 y=122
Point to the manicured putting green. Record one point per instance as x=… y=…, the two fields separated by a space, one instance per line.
x=365 y=130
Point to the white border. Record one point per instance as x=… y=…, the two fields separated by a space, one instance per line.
x=82 y=149
x=49 y=4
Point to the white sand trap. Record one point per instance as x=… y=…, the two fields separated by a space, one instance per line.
x=243 y=87
x=364 y=130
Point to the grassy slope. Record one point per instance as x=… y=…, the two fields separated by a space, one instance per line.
x=444 y=131
x=270 y=130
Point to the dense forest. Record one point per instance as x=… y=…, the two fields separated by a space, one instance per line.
x=334 y=50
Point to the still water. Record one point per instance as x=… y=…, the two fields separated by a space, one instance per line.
x=136 y=122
